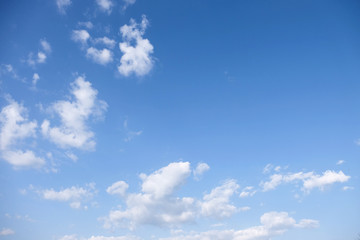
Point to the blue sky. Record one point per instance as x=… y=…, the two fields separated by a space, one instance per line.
x=169 y=120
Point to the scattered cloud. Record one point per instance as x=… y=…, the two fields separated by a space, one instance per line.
x=118 y=188
x=74 y=237
x=8 y=69
x=346 y=188
x=35 y=79
x=128 y=3
x=200 y=169
x=310 y=180
x=81 y=36
x=6 y=231
x=41 y=55
x=45 y=45
x=102 y=57
x=74 y=114
x=136 y=50
x=247 y=192
x=110 y=43
x=74 y=195
x=105 y=5
x=268 y=168
x=272 y=224
x=63 y=5
x=87 y=24
x=340 y=162
x=14 y=127
x=216 y=203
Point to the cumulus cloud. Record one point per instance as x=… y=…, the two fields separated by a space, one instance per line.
x=14 y=127
x=74 y=114
x=118 y=188
x=156 y=204
x=63 y=5
x=272 y=224
x=6 y=231
x=105 y=5
x=310 y=180
x=200 y=169
x=74 y=195
x=102 y=57
x=110 y=43
x=41 y=55
x=216 y=203
x=45 y=45
x=136 y=58
x=81 y=36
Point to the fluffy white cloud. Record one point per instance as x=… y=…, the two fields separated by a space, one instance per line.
x=200 y=169
x=81 y=36
x=309 y=179
x=74 y=195
x=156 y=204
x=136 y=57
x=15 y=126
x=20 y=158
x=110 y=43
x=105 y=5
x=216 y=203
x=73 y=131
x=102 y=57
x=41 y=57
x=6 y=231
x=62 y=5
x=118 y=188
x=272 y=224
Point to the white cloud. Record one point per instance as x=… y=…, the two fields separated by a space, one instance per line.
x=272 y=224
x=216 y=203
x=110 y=43
x=128 y=3
x=102 y=57
x=6 y=231
x=62 y=5
x=35 y=79
x=268 y=168
x=328 y=178
x=14 y=124
x=118 y=188
x=136 y=59
x=81 y=36
x=69 y=237
x=200 y=169
x=20 y=158
x=45 y=45
x=41 y=57
x=340 y=162
x=345 y=188
x=8 y=69
x=247 y=192
x=156 y=204
x=73 y=131
x=309 y=179
x=105 y=5
x=74 y=195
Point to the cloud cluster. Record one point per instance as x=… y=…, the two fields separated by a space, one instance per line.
x=74 y=114
x=74 y=195
x=310 y=180
x=63 y=5
x=105 y=5
x=158 y=205
x=272 y=224
x=14 y=127
x=100 y=56
x=41 y=56
x=136 y=58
